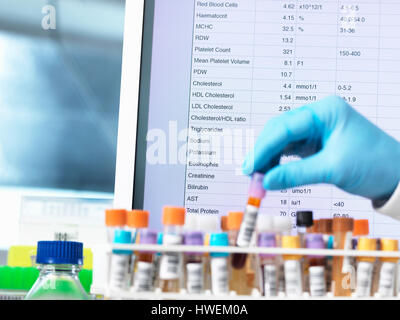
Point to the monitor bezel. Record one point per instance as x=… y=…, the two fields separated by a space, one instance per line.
x=129 y=104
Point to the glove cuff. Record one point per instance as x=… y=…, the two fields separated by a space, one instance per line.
x=390 y=207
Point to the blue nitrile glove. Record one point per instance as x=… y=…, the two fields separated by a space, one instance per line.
x=351 y=152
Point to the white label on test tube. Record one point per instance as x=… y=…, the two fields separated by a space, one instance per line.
x=270 y=281
x=293 y=283
x=317 y=281
x=219 y=275
x=247 y=227
x=119 y=270
x=386 y=279
x=364 y=279
x=195 y=280
x=170 y=261
x=143 y=276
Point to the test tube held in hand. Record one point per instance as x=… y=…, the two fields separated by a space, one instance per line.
x=247 y=228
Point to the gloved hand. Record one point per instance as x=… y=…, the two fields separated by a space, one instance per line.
x=352 y=153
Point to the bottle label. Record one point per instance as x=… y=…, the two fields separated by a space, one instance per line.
x=170 y=261
x=219 y=275
x=270 y=280
x=364 y=279
x=119 y=270
x=247 y=227
x=317 y=281
x=194 y=272
x=293 y=283
x=386 y=279
x=143 y=280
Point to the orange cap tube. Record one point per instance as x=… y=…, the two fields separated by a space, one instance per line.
x=361 y=227
x=173 y=216
x=115 y=217
x=224 y=223
x=137 y=219
x=234 y=220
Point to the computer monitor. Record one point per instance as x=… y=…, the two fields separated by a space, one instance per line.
x=201 y=78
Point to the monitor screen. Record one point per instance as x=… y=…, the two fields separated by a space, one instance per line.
x=214 y=72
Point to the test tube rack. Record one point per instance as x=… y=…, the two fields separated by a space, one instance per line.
x=110 y=293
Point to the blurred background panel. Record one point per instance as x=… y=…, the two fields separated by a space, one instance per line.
x=59 y=93
x=59 y=100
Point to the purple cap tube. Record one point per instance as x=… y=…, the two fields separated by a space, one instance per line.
x=267 y=240
x=315 y=241
x=148 y=237
x=256 y=189
x=193 y=238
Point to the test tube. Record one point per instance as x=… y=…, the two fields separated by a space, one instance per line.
x=170 y=263
x=265 y=224
x=342 y=278
x=246 y=231
x=316 y=266
x=304 y=220
x=224 y=223
x=194 y=268
x=282 y=225
x=208 y=224
x=268 y=266
x=388 y=268
x=120 y=261
x=219 y=264
x=365 y=267
x=144 y=268
x=157 y=258
x=360 y=229
x=238 y=281
x=191 y=223
x=292 y=267
x=136 y=220
x=325 y=228
x=314 y=228
x=115 y=220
